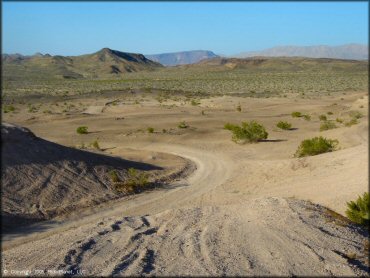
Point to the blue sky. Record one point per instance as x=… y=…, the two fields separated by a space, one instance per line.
x=73 y=28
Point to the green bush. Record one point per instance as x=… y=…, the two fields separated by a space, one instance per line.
x=284 y=125
x=82 y=130
x=359 y=211
x=351 y=122
x=307 y=117
x=113 y=175
x=95 y=144
x=330 y=113
x=323 y=117
x=326 y=125
x=239 y=108
x=247 y=132
x=356 y=114
x=296 y=114
x=315 y=146
x=9 y=108
x=339 y=120
x=195 y=102
x=150 y=129
x=183 y=125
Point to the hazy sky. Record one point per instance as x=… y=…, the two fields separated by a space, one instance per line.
x=73 y=28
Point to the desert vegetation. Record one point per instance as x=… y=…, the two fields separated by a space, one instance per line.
x=82 y=130
x=359 y=211
x=315 y=146
x=284 y=125
x=247 y=132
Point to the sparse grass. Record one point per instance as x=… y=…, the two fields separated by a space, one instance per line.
x=359 y=211
x=182 y=125
x=250 y=132
x=296 y=114
x=326 y=125
x=150 y=130
x=315 y=146
x=323 y=117
x=82 y=130
x=284 y=125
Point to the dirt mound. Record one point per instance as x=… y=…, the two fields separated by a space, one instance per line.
x=41 y=179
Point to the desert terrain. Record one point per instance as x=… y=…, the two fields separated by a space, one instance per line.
x=215 y=207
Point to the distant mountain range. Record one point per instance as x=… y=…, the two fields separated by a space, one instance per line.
x=181 y=58
x=105 y=62
x=282 y=64
x=347 y=51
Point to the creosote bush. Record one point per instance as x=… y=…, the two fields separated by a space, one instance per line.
x=82 y=130
x=250 y=132
x=315 y=146
x=113 y=175
x=284 y=125
x=95 y=144
x=183 y=125
x=150 y=130
x=323 y=117
x=356 y=114
x=296 y=114
x=326 y=125
x=306 y=117
x=359 y=211
x=239 y=108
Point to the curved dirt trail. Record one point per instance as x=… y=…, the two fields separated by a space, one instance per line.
x=210 y=172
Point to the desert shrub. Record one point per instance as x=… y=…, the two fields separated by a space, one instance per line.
x=326 y=125
x=32 y=109
x=247 y=132
x=203 y=113
x=183 y=125
x=339 y=120
x=306 y=117
x=359 y=211
x=135 y=180
x=356 y=114
x=150 y=130
x=323 y=117
x=195 y=102
x=296 y=114
x=284 y=125
x=315 y=146
x=82 y=130
x=113 y=175
x=9 y=108
x=351 y=122
x=330 y=113
x=239 y=108
x=164 y=130
x=95 y=144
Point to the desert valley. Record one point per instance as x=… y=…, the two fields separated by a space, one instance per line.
x=118 y=165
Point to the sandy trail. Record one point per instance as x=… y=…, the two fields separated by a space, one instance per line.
x=210 y=173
